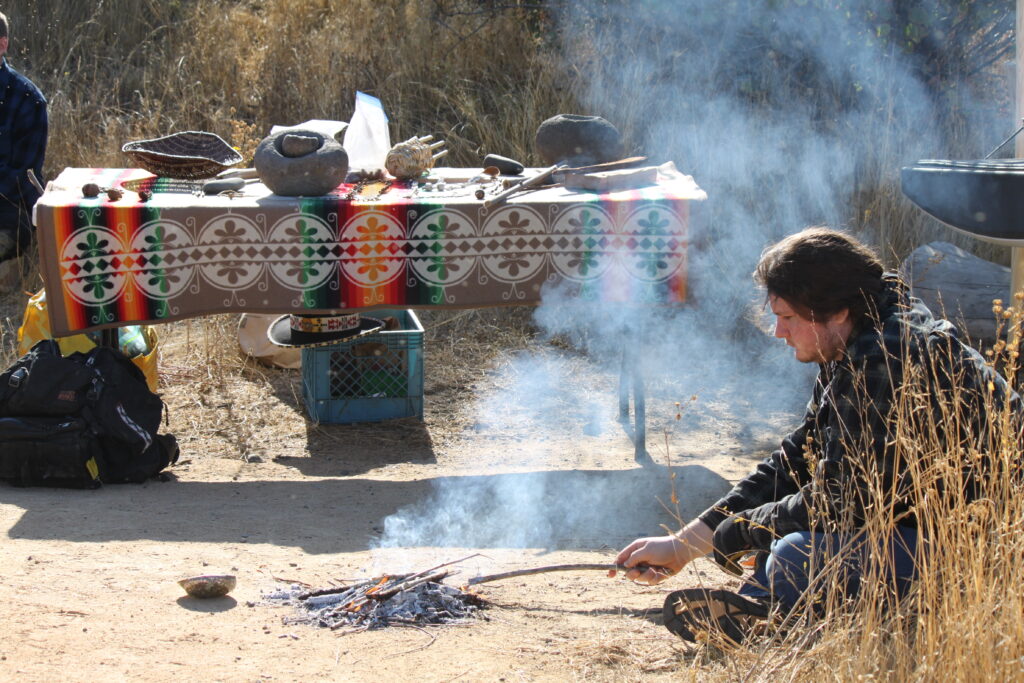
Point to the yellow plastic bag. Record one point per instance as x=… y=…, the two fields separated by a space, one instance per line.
x=138 y=342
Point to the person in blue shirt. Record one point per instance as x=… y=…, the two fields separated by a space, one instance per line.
x=23 y=131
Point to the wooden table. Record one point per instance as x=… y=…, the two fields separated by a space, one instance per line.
x=182 y=253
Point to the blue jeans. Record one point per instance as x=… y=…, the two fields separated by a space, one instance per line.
x=785 y=573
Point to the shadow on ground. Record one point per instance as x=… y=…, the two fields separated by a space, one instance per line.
x=337 y=450
x=553 y=510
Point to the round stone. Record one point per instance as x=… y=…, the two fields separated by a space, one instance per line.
x=293 y=145
x=578 y=140
x=314 y=173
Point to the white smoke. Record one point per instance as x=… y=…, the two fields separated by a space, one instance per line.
x=772 y=162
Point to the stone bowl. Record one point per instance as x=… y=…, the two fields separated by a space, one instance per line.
x=578 y=140
x=290 y=167
x=208 y=586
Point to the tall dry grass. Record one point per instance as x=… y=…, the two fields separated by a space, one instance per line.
x=961 y=619
x=483 y=76
x=119 y=69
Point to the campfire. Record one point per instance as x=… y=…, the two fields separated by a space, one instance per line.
x=399 y=599
x=389 y=600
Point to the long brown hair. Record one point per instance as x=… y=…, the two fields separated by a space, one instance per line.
x=820 y=271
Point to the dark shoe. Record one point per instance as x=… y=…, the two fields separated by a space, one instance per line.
x=702 y=614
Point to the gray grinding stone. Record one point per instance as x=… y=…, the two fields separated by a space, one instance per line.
x=223 y=185
x=578 y=140
x=293 y=145
x=315 y=173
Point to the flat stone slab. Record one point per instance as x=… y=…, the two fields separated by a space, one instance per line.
x=958 y=286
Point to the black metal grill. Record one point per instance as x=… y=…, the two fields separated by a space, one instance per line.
x=984 y=198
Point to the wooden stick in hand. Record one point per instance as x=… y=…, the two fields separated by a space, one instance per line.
x=552 y=568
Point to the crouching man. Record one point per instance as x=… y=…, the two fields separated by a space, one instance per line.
x=802 y=514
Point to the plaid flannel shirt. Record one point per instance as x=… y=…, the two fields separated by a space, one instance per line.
x=23 y=131
x=841 y=458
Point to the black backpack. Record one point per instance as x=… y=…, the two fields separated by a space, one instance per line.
x=79 y=420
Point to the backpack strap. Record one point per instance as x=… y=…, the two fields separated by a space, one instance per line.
x=17 y=377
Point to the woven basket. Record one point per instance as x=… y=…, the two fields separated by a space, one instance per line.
x=192 y=155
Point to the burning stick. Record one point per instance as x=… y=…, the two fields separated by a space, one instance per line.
x=341 y=589
x=552 y=568
x=407 y=585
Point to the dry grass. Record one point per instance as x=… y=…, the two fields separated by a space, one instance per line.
x=482 y=76
x=628 y=653
x=119 y=70
x=961 y=620
x=123 y=69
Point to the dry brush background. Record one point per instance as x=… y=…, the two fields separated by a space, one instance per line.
x=483 y=75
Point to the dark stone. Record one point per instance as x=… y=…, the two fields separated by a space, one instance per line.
x=578 y=140
x=224 y=185
x=293 y=145
x=315 y=173
x=504 y=165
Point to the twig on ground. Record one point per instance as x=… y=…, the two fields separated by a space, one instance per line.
x=415 y=649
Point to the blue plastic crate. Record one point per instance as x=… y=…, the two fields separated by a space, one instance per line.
x=373 y=378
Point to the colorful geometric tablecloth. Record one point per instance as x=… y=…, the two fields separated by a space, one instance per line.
x=181 y=254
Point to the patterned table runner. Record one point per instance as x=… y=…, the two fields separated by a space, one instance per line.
x=110 y=263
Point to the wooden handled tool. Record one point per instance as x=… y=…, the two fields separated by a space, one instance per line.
x=629 y=162
x=529 y=183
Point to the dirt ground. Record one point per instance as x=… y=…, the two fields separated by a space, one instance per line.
x=90 y=577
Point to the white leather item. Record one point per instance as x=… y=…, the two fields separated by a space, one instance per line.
x=252 y=338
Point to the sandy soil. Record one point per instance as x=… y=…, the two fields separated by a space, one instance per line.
x=90 y=577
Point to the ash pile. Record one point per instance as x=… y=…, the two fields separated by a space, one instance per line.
x=390 y=600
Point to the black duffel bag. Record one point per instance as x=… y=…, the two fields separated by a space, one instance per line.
x=49 y=451
x=101 y=396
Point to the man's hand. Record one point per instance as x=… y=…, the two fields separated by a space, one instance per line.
x=652 y=560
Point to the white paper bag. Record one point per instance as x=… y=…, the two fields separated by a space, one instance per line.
x=367 y=140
